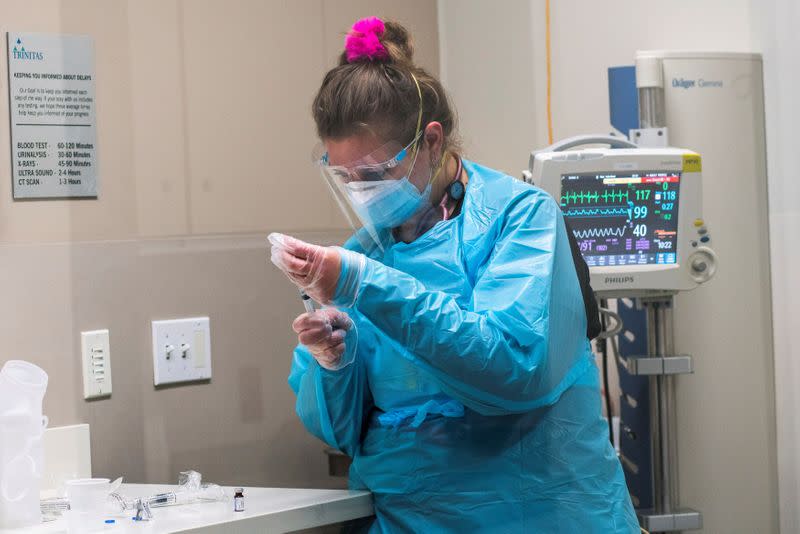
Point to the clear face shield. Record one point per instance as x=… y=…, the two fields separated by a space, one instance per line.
x=383 y=190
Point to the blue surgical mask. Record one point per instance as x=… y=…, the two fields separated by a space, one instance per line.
x=386 y=204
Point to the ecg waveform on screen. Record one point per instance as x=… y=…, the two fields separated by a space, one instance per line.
x=592 y=197
x=600 y=232
x=617 y=211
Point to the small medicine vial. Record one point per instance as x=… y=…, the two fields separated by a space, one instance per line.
x=238 y=500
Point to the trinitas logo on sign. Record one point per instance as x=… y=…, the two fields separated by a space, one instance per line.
x=19 y=52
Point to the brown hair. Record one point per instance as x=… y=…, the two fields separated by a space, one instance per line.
x=380 y=95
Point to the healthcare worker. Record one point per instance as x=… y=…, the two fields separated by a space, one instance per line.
x=450 y=360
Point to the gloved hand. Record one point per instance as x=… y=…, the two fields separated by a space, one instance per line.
x=327 y=333
x=317 y=270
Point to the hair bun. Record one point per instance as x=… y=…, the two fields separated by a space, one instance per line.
x=397 y=42
x=363 y=41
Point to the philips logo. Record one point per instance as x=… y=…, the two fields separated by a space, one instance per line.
x=619 y=280
x=19 y=52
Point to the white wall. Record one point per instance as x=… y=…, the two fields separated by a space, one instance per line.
x=493 y=62
x=488 y=65
x=776 y=23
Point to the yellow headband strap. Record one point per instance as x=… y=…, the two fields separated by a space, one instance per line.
x=439 y=167
x=419 y=92
x=419 y=125
x=419 y=115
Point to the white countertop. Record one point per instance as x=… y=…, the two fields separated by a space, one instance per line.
x=266 y=510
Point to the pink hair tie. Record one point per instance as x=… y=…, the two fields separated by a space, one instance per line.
x=362 y=41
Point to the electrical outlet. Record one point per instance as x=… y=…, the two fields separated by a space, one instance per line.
x=181 y=350
x=96 y=363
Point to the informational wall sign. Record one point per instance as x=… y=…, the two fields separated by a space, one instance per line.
x=52 y=107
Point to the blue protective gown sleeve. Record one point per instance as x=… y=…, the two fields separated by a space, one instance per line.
x=493 y=355
x=331 y=404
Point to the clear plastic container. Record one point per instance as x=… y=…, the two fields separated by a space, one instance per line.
x=22 y=388
x=21 y=467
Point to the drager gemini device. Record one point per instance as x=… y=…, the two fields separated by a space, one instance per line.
x=636 y=213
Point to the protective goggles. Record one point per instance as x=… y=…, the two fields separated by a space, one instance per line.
x=385 y=163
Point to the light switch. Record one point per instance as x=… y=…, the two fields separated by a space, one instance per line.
x=181 y=350
x=200 y=358
x=96 y=363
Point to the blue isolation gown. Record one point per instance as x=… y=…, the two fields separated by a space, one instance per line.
x=472 y=403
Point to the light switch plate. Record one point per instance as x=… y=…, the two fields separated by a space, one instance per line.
x=181 y=350
x=96 y=363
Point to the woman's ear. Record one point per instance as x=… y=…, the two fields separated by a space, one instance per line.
x=434 y=141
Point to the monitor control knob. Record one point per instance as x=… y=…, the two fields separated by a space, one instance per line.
x=702 y=264
x=699 y=266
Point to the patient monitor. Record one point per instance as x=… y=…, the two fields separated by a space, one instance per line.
x=636 y=214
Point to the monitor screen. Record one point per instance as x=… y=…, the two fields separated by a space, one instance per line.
x=623 y=218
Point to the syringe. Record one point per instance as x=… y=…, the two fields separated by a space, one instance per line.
x=170 y=498
x=308 y=304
